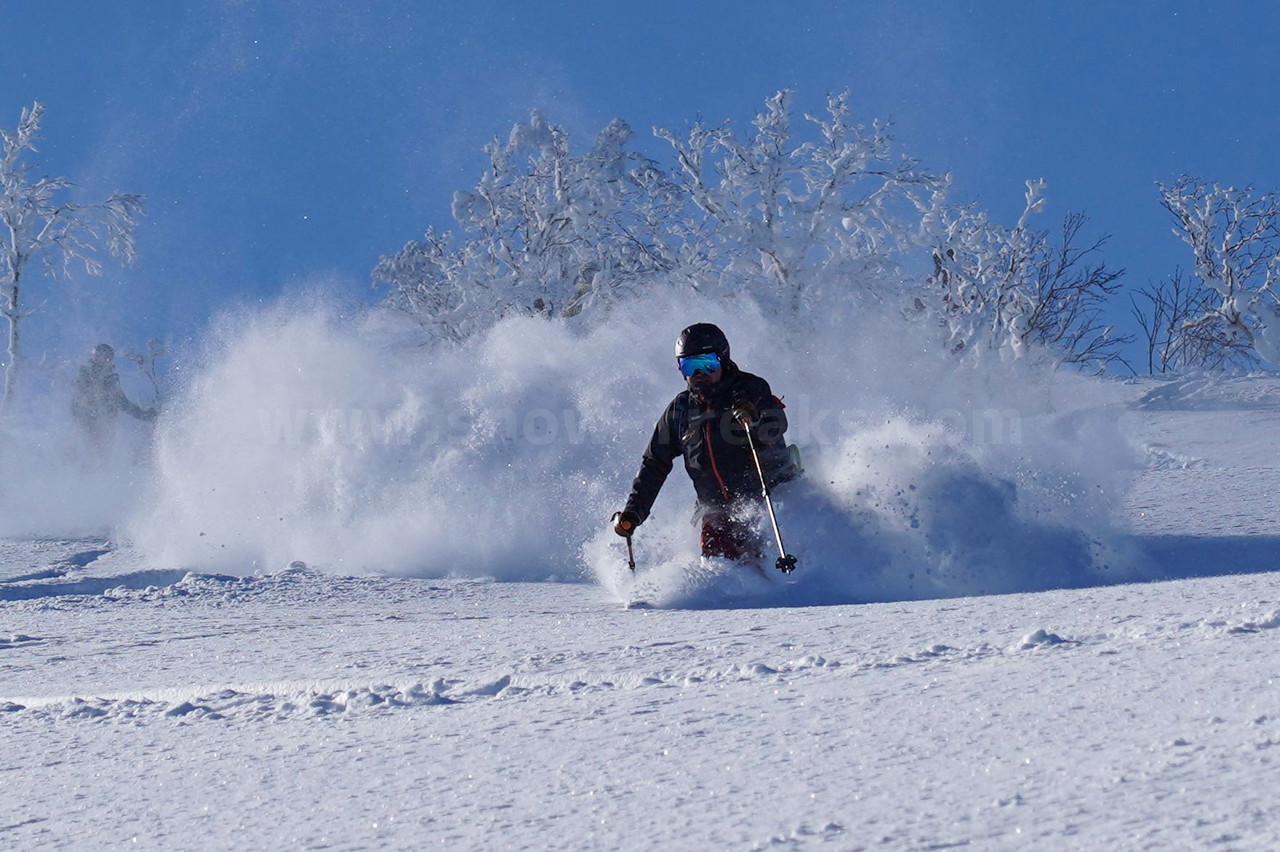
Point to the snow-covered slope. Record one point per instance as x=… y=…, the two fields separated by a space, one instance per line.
x=298 y=709
x=147 y=706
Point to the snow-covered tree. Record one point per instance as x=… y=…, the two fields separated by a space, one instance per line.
x=1008 y=290
x=545 y=232
x=786 y=220
x=808 y=221
x=1234 y=235
x=797 y=222
x=40 y=221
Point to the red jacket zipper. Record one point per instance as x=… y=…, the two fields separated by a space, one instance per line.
x=724 y=492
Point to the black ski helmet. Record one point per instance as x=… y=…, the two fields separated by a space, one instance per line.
x=700 y=338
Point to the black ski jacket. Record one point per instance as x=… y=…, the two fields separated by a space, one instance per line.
x=716 y=454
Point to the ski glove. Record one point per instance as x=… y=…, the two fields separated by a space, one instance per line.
x=625 y=523
x=745 y=411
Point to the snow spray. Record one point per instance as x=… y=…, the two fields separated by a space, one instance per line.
x=305 y=435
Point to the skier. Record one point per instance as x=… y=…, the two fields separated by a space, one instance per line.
x=707 y=423
x=98 y=398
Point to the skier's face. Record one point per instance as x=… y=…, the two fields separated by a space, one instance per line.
x=698 y=380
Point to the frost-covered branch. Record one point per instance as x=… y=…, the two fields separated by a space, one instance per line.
x=800 y=223
x=1234 y=236
x=1005 y=290
x=1170 y=316
x=544 y=232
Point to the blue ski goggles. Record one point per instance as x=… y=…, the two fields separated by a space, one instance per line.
x=691 y=365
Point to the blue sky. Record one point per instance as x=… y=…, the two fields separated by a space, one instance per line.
x=284 y=141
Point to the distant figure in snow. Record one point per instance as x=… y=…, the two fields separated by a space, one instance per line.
x=98 y=399
x=706 y=423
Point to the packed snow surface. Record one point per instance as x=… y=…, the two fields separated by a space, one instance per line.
x=1026 y=615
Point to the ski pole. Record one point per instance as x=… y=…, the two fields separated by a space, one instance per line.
x=786 y=562
x=631 y=554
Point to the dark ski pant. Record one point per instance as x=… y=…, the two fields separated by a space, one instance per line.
x=729 y=535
